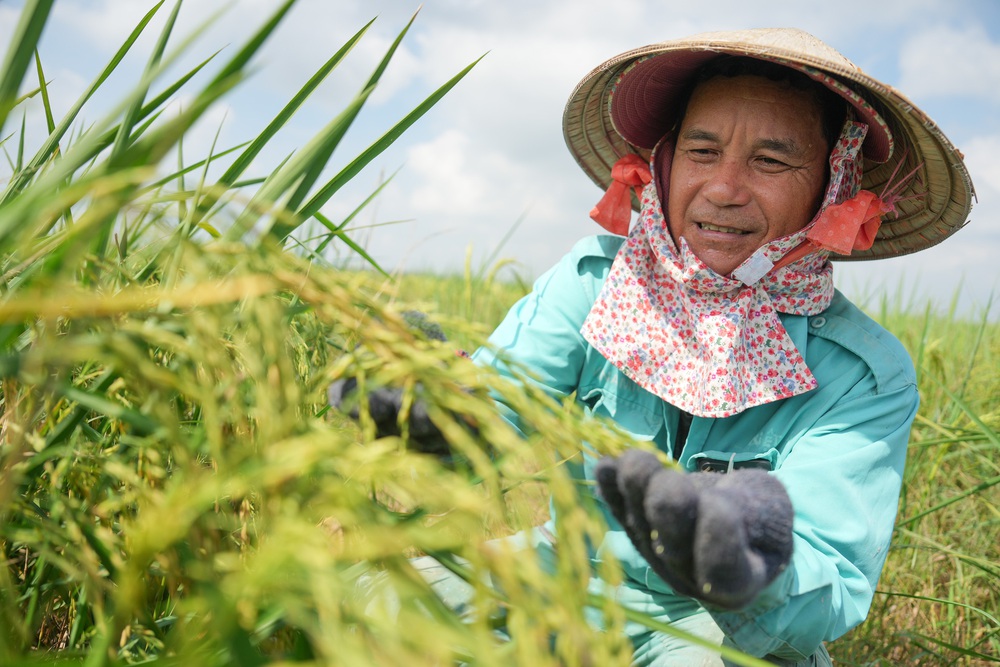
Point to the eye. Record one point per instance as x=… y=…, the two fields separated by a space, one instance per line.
x=701 y=154
x=771 y=164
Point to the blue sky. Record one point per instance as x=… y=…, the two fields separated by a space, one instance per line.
x=491 y=157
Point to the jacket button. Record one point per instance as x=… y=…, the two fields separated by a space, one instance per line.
x=817 y=322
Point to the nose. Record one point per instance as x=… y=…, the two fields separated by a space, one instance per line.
x=727 y=183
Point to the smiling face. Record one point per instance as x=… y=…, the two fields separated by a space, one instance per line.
x=749 y=167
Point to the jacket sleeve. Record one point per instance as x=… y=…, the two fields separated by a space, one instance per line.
x=844 y=475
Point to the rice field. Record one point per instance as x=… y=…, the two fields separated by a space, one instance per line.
x=175 y=490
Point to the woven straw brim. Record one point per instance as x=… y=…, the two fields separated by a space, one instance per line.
x=936 y=202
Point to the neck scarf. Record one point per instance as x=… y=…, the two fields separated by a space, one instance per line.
x=709 y=344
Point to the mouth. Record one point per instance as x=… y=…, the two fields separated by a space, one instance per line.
x=725 y=230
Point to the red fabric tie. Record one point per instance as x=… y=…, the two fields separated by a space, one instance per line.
x=843 y=228
x=614 y=211
x=851 y=225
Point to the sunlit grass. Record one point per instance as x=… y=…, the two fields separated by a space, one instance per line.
x=175 y=490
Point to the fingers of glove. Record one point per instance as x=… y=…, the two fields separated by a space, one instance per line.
x=419 y=421
x=339 y=391
x=744 y=537
x=623 y=483
x=424 y=432
x=419 y=322
x=672 y=505
x=767 y=512
x=635 y=469
x=384 y=404
x=672 y=510
x=623 y=480
x=728 y=572
x=606 y=475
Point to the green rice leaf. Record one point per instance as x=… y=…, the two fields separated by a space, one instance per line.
x=961 y=650
x=43 y=87
x=51 y=144
x=132 y=114
x=97 y=402
x=16 y=61
x=293 y=172
x=323 y=149
x=985 y=485
x=238 y=63
x=335 y=230
x=187 y=169
x=240 y=165
x=68 y=424
x=342 y=235
x=315 y=167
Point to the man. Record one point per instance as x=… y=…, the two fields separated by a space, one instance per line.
x=713 y=331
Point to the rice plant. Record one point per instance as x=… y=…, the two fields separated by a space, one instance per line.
x=174 y=488
x=940 y=592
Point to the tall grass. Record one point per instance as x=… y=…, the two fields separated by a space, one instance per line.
x=940 y=592
x=174 y=490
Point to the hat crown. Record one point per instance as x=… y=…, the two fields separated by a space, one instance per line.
x=775 y=41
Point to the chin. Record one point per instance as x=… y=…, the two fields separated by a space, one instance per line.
x=723 y=268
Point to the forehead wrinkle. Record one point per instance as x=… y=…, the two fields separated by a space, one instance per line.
x=784 y=146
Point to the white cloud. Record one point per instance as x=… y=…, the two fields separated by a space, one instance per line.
x=103 y=24
x=981 y=157
x=449 y=178
x=946 y=61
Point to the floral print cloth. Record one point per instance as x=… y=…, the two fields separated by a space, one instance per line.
x=709 y=344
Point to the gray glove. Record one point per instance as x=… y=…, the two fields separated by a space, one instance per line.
x=719 y=538
x=385 y=403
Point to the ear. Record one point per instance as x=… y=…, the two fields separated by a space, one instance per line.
x=662 y=160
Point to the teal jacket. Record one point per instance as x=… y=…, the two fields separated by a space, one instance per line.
x=839 y=449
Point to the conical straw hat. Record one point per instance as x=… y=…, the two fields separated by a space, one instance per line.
x=626 y=105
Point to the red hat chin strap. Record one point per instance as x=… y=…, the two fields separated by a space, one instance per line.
x=614 y=211
x=852 y=224
x=843 y=228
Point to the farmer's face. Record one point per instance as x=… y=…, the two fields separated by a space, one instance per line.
x=749 y=167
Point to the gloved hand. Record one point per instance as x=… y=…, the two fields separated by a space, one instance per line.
x=719 y=538
x=385 y=403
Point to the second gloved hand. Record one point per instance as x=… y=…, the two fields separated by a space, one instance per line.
x=384 y=405
x=719 y=538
